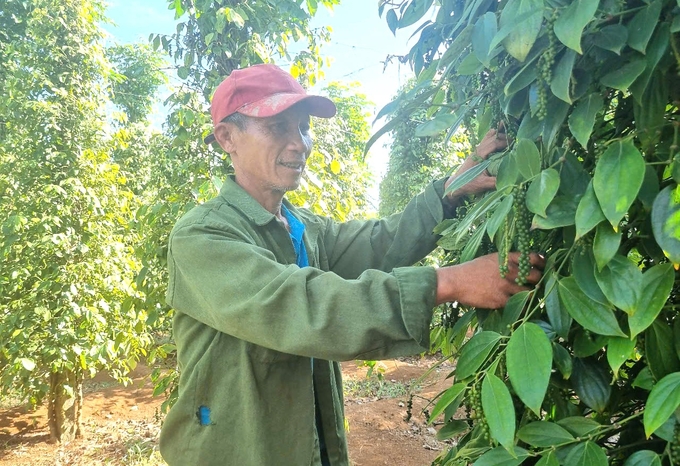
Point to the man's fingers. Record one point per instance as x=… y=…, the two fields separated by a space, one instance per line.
x=534 y=276
x=537 y=260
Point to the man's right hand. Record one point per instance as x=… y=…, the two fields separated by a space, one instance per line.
x=478 y=283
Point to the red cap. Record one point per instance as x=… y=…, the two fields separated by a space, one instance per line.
x=263 y=91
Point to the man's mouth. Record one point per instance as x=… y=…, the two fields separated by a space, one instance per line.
x=298 y=166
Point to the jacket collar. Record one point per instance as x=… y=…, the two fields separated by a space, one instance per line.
x=236 y=196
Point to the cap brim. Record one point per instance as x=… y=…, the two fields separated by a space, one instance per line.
x=316 y=105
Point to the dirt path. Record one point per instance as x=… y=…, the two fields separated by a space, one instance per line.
x=122 y=423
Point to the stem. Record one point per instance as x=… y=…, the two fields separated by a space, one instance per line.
x=633 y=445
x=676 y=52
x=625 y=12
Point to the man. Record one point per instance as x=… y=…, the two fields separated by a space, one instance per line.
x=267 y=296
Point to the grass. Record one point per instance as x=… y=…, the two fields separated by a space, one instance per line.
x=374 y=388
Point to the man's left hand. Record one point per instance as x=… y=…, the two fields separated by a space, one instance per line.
x=493 y=141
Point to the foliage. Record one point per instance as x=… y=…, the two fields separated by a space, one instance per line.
x=585 y=369
x=136 y=77
x=67 y=263
x=336 y=180
x=218 y=37
x=415 y=161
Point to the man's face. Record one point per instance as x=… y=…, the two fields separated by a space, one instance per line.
x=270 y=154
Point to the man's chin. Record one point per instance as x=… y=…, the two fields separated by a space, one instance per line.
x=285 y=189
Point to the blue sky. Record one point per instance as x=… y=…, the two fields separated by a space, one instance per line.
x=360 y=43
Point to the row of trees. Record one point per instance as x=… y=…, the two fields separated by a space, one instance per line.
x=586 y=369
x=89 y=191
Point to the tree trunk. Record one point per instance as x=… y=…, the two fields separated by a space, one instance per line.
x=65 y=405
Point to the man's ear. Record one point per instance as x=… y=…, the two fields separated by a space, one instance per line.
x=225 y=136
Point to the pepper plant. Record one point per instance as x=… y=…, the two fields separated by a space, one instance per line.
x=585 y=369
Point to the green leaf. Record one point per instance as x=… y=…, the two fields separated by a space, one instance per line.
x=657 y=284
x=662 y=402
x=644 y=380
x=558 y=316
x=656 y=50
x=582 y=119
x=234 y=17
x=583 y=270
x=560 y=213
x=667 y=429
x=548 y=459
x=499 y=411
x=467 y=176
x=563 y=360
x=579 y=426
x=588 y=213
x=528 y=158
x=641 y=27
x=612 y=38
x=552 y=124
x=591 y=384
x=472 y=246
x=183 y=72
x=619 y=350
x=650 y=188
x=586 y=343
x=544 y=434
x=470 y=65
x=675 y=26
x=606 y=244
x=666 y=222
x=522 y=79
x=27 y=363
x=523 y=34
x=530 y=127
x=529 y=362
x=389 y=126
x=513 y=309
x=652 y=115
x=592 y=315
x=574 y=178
x=499 y=456
x=475 y=352
x=560 y=85
x=414 y=11
x=620 y=281
x=622 y=77
x=482 y=34
x=542 y=191
x=499 y=216
x=392 y=21
x=451 y=428
x=588 y=453
x=643 y=458
x=570 y=24
x=439 y=124
x=446 y=399
x=618 y=177
x=660 y=349
x=508 y=173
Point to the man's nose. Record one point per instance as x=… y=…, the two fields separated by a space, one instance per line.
x=300 y=142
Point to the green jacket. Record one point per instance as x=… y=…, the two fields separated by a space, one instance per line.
x=248 y=321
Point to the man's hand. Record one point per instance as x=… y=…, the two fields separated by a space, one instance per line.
x=493 y=141
x=478 y=283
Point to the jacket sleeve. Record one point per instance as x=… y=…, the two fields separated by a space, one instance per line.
x=240 y=289
x=399 y=240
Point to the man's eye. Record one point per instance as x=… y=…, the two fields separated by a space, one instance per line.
x=280 y=127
